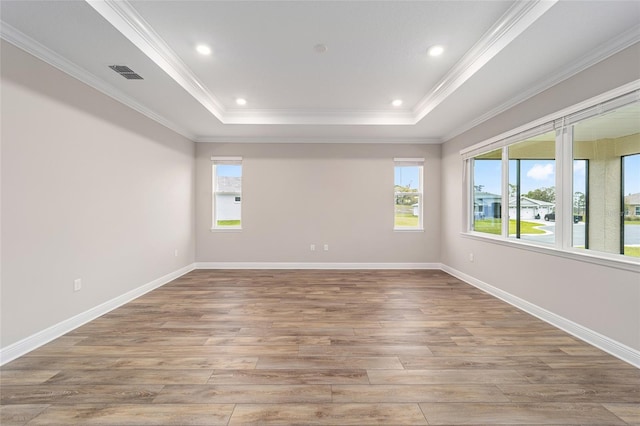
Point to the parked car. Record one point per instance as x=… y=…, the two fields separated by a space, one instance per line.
x=552 y=216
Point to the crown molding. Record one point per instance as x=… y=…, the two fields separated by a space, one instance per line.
x=513 y=23
x=604 y=51
x=126 y=19
x=134 y=27
x=317 y=140
x=31 y=46
x=123 y=16
x=320 y=117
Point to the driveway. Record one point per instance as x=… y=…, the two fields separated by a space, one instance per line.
x=631 y=233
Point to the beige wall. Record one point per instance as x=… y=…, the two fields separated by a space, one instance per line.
x=90 y=189
x=93 y=190
x=295 y=195
x=601 y=298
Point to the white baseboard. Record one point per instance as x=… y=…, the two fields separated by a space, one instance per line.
x=312 y=265
x=40 y=338
x=596 y=339
x=617 y=349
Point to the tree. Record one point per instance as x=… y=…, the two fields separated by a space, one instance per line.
x=403 y=198
x=478 y=188
x=513 y=189
x=542 y=194
x=579 y=203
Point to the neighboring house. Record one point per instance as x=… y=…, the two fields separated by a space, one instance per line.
x=487 y=205
x=632 y=205
x=530 y=208
x=228 y=198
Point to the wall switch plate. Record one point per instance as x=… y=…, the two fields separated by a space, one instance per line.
x=77 y=284
x=312 y=247
x=175 y=253
x=326 y=247
x=471 y=257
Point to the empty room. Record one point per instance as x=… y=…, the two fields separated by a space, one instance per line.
x=320 y=212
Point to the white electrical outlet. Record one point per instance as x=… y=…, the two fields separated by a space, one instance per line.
x=77 y=284
x=175 y=253
x=326 y=247
x=312 y=247
x=471 y=257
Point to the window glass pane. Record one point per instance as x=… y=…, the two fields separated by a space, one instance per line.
x=408 y=196
x=611 y=144
x=631 y=187
x=227 y=206
x=532 y=189
x=487 y=193
x=580 y=203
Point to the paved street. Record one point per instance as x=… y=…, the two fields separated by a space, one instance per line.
x=631 y=232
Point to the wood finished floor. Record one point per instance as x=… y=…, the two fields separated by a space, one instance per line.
x=318 y=347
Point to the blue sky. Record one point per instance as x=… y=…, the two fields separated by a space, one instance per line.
x=407 y=176
x=232 y=170
x=541 y=174
x=488 y=174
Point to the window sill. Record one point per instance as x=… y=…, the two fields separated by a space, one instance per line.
x=226 y=229
x=611 y=261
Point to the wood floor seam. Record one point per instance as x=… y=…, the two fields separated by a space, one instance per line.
x=281 y=347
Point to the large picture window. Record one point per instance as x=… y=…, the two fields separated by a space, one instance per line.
x=408 y=201
x=532 y=189
x=572 y=182
x=610 y=142
x=487 y=193
x=227 y=192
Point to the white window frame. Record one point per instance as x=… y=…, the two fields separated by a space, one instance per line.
x=411 y=162
x=214 y=220
x=562 y=122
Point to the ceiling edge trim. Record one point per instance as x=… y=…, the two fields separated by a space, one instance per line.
x=604 y=51
x=316 y=117
x=513 y=23
x=316 y=140
x=36 y=49
x=128 y=21
x=572 y=109
x=124 y=18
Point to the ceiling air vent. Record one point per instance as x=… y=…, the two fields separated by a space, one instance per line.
x=126 y=72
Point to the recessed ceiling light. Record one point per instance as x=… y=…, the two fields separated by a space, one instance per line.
x=436 y=50
x=203 y=49
x=241 y=101
x=397 y=102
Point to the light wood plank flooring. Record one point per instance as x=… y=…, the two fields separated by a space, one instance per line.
x=318 y=347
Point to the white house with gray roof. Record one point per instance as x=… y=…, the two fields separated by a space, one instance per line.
x=228 y=197
x=530 y=208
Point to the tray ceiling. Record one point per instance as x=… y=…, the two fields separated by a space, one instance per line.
x=321 y=70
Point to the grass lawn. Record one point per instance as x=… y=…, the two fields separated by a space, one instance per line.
x=494 y=227
x=406 y=220
x=404 y=217
x=632 y=251
x=229 y=223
